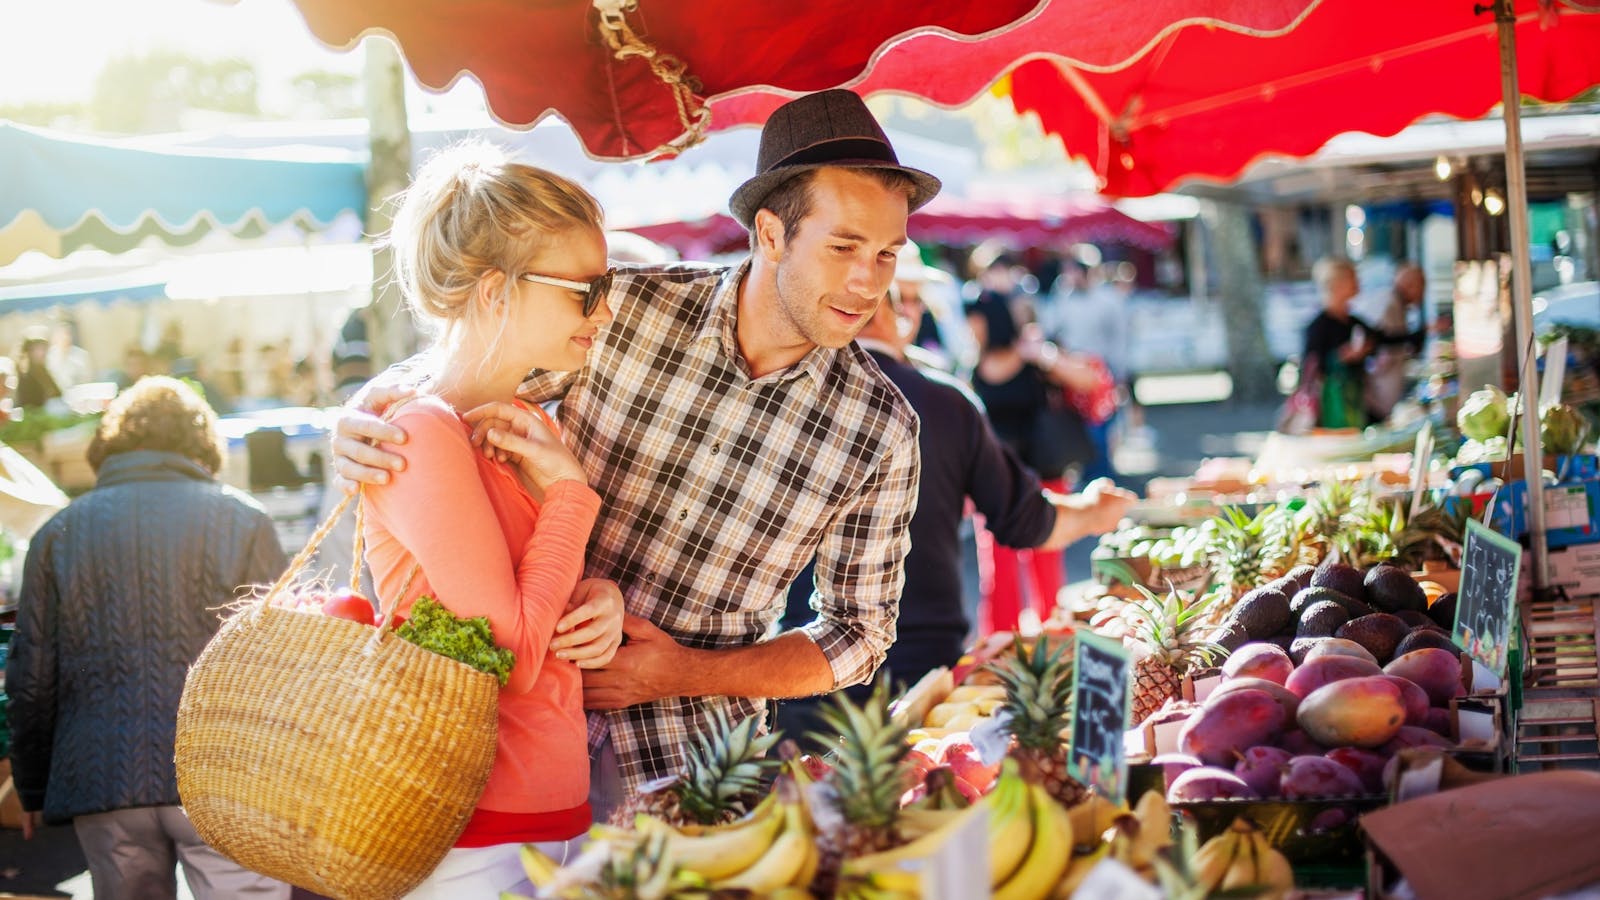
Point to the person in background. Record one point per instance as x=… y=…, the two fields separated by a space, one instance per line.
x=962 y=460
x=69 y=363
x=1386 y=371
x=1337 y=346
x=1016 y=373
x=8 y=387
x=35 y=385
x=112 y=613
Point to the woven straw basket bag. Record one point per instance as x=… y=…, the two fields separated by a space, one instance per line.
x=330 y=754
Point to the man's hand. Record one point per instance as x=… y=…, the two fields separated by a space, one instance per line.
x=356 y=433
x=596 y=606
x=31 y=822
x=645 y=668
x=1096 y=509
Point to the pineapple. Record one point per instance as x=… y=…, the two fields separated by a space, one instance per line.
x=1171 y=630
x=725 y=779
x=1039 y=700
x=1248 y=551
x=868 y=777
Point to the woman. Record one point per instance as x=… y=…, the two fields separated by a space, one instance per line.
x=1016 y=374
x=112 y=613
x=1338 y=345
x=498 y=258
x=35 y=385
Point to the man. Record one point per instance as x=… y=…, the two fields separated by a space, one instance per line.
x=734 y=432
x=1386 y=375
x=961 y=459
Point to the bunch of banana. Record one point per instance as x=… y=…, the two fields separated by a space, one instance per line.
x=771 y=848
x=1135 y=840
x=1030 y=846
x=1241 y=857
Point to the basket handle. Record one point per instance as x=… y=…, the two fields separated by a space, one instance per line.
x=303 y=558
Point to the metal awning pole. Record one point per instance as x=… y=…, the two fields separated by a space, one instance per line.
x=1522 y=290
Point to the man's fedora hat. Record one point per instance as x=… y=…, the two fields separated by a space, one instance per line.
x=827 y=128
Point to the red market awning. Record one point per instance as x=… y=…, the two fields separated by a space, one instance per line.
x=1021 y=222
x=1205 y=103
x=1095 y=36
x=562 y=56
x=553 y=56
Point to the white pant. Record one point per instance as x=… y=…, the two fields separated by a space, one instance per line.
x=467 y=872
x=133 y=854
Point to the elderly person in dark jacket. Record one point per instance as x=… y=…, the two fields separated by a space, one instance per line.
x=120 y=593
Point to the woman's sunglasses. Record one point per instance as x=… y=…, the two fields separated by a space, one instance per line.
x=594 y=292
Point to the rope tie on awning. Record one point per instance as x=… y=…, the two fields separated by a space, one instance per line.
x=625 y=44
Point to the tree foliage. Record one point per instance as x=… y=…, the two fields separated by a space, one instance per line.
x=149 y=92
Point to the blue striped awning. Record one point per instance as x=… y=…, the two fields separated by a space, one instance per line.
x=59 y=192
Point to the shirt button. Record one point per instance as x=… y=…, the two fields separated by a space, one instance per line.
x=716 y=448
x=683 y=514
x=650 y=578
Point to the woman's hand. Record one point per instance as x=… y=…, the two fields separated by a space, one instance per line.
x=591 y=631
x=526 y=441
x=358 y=431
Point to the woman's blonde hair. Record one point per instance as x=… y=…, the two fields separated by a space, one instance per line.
x=471 y=211
x=159 y=413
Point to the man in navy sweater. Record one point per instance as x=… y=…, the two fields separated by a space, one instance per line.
x=961 y=458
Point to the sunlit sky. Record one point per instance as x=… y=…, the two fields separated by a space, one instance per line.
x=52 y=49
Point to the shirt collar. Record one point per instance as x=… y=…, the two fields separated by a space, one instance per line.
x=721 y=323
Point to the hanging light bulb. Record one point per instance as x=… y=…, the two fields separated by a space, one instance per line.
x=1441 y=168
x=1493 y=203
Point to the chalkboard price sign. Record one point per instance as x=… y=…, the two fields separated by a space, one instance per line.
x=1485 y=603
x=1100 y=714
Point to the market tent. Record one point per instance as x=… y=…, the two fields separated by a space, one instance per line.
x=1354 y=65
x=590 y=61
x=60 y=193
x=1024 y=222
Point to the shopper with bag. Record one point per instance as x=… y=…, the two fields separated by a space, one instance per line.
x=121 y=591
x=507 y=263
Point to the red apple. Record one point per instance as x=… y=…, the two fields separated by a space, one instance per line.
x=963 y=759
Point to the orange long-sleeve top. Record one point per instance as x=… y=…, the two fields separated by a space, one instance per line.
x=487 y=548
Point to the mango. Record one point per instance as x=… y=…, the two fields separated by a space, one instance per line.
x=1323 y=670
x=1208 y=783
x=1289 y=702
x=1259 y=660
x=1235 y=722
x=1438 y=672
x=1353 y=712
x=1367 y=765
x=1337 y=646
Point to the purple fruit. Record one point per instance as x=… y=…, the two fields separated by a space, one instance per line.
x=1367 y=765
x=1299 y=743
x=1318 y=776
x=1262 y=769
x=1335 y=646
x=1209 y=783
x=1414 y=698
x=1437 y=721
x=1409 y=736
x=1438 y=672
x=1259 y=660
x=1326 y=670
x=1174 y=764
x=1234 y=722
x=1328 y=820
x=1289 y=702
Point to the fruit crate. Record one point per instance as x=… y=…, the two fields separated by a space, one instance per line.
x=1314 y=834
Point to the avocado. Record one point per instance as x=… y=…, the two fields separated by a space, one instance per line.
x=1380 y=633
x=1342 y=578
x=1423 y=638
x=1321 y=619
x=1443 y=611
x=1392 y=589
x=1303 y=600
x=1302 y=576
x=1262 y=612
x=1416 y=619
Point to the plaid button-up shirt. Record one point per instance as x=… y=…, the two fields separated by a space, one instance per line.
x=718 y=488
